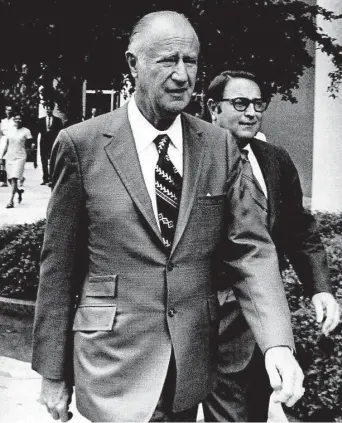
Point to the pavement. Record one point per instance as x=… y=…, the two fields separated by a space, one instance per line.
x=19 y=384
x=34 y=203
x=19 y=394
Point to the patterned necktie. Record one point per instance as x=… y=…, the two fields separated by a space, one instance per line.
x=252 y=182
x=168 y=184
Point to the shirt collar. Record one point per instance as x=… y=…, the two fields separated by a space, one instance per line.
x=259 y=136
x=144 y=133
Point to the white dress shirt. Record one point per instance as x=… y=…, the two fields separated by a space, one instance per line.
x=144 y=133
x=48 y=122
x=255 y=165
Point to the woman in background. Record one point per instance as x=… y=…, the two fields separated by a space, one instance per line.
x=15 y=155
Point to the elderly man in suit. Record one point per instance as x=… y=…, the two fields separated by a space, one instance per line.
x=145 y=201
x=48 y=129
x=237 y=101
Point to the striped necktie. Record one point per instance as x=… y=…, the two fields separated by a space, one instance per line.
x=252 y=182
x=168 y=183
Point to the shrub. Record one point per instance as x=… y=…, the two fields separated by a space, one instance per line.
x=20 y=247
x=329 y=224
x=319 y=356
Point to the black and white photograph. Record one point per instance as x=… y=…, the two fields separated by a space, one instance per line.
x=171 y=211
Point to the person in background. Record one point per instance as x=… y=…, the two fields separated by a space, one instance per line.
x=15 y=156
x=237 y=102
x=143 y=198
x=6 y=124
x=48 y=129
x=93 y=113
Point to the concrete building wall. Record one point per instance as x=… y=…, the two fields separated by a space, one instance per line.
x=311 y=130
x=291 y=126
x=327 y=157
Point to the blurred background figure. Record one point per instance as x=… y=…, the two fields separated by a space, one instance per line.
x=6 y=123
x=93 y=113
x=48 y=129
x=15 y=155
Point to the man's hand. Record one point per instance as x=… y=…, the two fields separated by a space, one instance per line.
x=324 y=302
x=286 y=377
x=56 y=395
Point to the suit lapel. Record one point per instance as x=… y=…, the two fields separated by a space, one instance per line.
x=122 y=153
x=268 y=165
x=193 y=152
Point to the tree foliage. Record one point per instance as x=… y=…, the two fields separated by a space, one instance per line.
x=85 y=39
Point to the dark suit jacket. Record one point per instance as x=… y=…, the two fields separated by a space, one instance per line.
x=294 y=232
x=293 y=228
x=135 y=300
x=48 y=137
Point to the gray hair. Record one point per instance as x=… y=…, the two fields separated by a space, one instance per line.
x=134 y=45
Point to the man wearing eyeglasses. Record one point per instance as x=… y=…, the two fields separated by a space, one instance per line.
x=237 y=102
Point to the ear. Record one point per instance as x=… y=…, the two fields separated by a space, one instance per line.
x=214 y=108
x=132 y=63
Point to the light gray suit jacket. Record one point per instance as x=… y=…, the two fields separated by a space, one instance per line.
x=110 y=295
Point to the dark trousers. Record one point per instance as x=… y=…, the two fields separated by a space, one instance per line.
x=45 y=156
x=3 y=173
x=163 y=411
x=242 y=396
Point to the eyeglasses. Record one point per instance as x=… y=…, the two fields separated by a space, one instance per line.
x=240 y=104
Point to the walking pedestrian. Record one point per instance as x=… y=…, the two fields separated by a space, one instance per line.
x=15 y=155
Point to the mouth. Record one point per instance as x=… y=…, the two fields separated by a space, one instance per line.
x=177 y=91
x=248 y=124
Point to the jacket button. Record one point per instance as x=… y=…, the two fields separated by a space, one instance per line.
x=171 y=312
x=170 y=266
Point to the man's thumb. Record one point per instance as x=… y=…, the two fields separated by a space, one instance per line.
x=319 y=309
x=275 y=379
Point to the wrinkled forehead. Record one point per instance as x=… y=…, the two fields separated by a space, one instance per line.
x=170 y=36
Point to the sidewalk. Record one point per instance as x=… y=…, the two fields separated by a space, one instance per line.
x=35 y=199
x=19 y=392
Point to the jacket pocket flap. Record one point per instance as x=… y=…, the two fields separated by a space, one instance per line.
x=94 y=318
x=101 y=286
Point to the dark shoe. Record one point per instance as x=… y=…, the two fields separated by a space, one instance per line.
x=4 y=184
x=20 y=195
x=43 y=183
x=10 y=206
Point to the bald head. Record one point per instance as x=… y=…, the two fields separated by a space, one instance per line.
x=162 y=57
x=154 y=25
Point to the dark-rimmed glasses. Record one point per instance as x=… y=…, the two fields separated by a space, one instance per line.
x=240 y=104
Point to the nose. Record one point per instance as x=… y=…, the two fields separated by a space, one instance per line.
x=180 y=73
x=250 y=111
